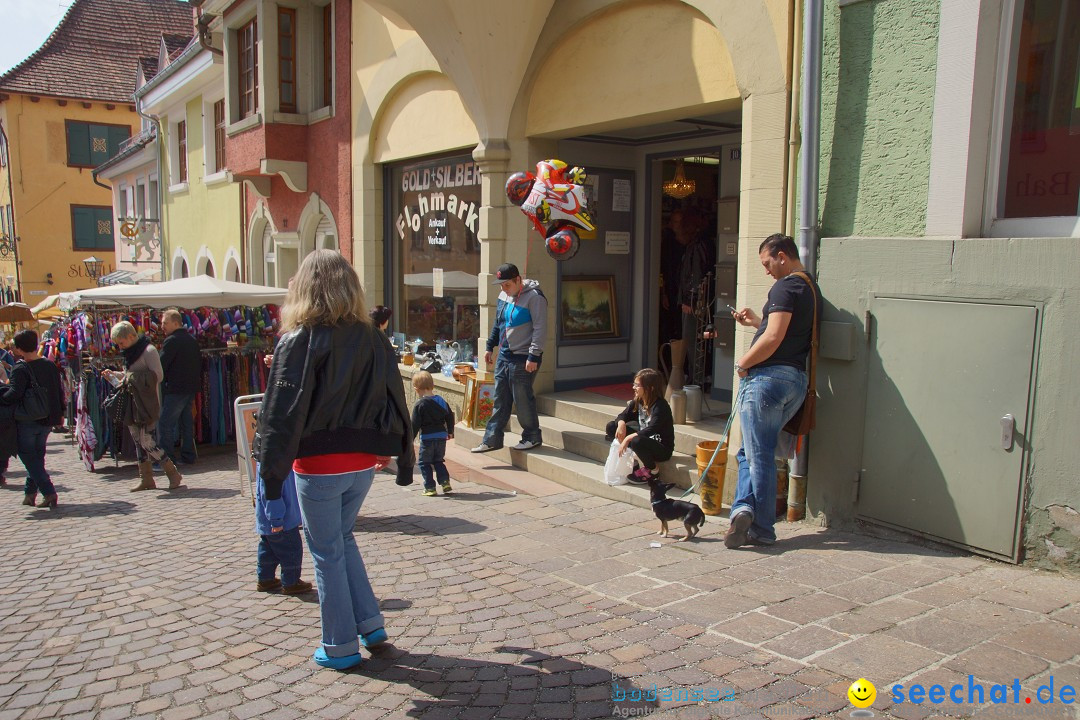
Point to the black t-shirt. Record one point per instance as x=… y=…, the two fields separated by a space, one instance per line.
x=791 y=294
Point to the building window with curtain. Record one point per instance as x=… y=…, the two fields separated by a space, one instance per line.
x=1042 y=155
x=434 y=220
x=247 y=69
x=181 y=151
x=219 y=135
x=286 y=60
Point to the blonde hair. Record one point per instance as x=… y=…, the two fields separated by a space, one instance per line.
x=123 y=329
x=422 y=380
x=325 y=291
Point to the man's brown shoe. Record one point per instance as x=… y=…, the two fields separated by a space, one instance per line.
x=297 y=588
x=736 y=535
x=268 y=585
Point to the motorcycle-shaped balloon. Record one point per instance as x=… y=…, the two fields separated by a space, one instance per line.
x=554 y=199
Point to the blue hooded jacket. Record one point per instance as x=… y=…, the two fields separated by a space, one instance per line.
x=288 y=495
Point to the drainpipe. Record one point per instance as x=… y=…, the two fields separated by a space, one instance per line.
x=809 y=181
x=203 y=28
x=156 y=121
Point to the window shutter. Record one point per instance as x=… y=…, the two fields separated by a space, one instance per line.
x=83 y=225
x=78 y=143
x=103 y=229
x=117 y=135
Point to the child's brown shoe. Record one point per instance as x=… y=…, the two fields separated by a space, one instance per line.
x=297 y=588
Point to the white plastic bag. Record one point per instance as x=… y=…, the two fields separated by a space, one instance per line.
x=618 y=466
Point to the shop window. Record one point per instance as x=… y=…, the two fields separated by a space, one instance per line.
x=91 y=227
x=434 y=222
x=219 y=135
x=247 y=69
x=287 y=60
x=1042 y=153
x=89 y=145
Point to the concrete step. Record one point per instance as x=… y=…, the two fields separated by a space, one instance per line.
x=595 y=411
x=559 y=465
x=589 y=443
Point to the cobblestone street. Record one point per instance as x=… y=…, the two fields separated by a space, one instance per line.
x=511 y=598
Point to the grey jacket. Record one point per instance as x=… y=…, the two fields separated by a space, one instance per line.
x=521 y=323
x=143 y=378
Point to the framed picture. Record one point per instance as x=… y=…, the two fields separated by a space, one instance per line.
x=479 y=399
x=587 y=307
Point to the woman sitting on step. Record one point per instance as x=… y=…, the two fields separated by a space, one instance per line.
x=645 y=426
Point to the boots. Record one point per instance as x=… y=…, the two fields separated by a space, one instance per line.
x=174 y=475
x=47 y=501
x=146 y=475
x=30 y=499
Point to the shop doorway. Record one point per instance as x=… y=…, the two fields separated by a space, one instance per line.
x=697 y=228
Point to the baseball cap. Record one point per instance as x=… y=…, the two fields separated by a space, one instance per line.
x=506 y=271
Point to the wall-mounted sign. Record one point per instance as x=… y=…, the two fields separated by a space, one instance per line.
x=616 y=242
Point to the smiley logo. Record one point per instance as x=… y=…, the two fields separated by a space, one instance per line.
x=862 y=693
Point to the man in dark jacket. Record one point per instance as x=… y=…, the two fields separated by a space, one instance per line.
x=182 y=365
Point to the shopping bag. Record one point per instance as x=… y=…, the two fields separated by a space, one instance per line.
x=618 y=466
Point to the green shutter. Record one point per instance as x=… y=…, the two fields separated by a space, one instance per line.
x=99 y=144
x=84 y=226
x=117 y=135
x=78 y=143
x=103 y=221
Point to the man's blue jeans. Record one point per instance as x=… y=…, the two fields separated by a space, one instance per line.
x=32 y=438
x=769 y=398
x=176 y=413
x=513 y=387
x=347 y=604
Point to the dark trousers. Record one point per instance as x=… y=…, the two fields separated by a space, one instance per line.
x=32 y=439
x=432 y=454
x=649 y=451
x=285 y=549
x=176 y=416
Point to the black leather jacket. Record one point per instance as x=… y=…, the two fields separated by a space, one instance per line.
x=331 y=390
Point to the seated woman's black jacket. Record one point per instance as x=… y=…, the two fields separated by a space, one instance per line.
x=331 y=390
x=661 y=425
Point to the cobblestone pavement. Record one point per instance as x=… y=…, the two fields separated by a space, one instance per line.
x=514 y=598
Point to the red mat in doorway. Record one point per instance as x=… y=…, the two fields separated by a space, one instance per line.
x=619 y=391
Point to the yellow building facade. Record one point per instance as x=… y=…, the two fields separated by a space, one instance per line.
x=61 y=216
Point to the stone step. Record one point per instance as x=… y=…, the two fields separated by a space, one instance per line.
x=595 y=411
x=589 y=443
x=559 y=465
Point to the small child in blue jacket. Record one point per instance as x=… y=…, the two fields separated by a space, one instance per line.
x=433 y=420
x=278 y=524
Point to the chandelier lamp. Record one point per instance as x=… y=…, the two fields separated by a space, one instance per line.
x=679 y=186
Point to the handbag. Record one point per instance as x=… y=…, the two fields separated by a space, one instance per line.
x=802 y=422
x=116 y=404
x=34 y=405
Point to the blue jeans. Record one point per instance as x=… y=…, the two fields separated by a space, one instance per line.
x=431 y=462
x=770 y=397
x=32 y=438
x=285 y=549
x=513 y=387
x=176 y=413
x=347 y=604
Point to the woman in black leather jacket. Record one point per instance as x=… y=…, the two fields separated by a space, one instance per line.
x=333 y=411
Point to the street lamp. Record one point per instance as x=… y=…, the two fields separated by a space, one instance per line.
x=93 y=268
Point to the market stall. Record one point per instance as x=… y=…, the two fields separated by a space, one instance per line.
x=234 y=323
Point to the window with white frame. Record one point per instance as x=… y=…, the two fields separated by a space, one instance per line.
x=140 y=199
x=1040 y=165
x=247 y=69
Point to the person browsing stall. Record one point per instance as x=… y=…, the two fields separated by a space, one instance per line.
x=181 y=364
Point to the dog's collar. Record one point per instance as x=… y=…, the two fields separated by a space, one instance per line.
x=657 y=502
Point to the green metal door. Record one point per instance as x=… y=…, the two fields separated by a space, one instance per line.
x=939 y=458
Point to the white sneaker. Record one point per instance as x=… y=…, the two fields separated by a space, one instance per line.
x=482 y=448
x=526 y=445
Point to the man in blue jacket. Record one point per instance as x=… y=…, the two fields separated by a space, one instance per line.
x=518 y=333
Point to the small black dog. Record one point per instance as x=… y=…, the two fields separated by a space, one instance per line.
x=667 y=509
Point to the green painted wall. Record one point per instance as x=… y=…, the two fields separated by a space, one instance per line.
x=878 y=78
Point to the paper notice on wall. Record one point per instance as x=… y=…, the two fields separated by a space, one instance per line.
x=620 y=195
x=616 y=242
x=436 y=282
